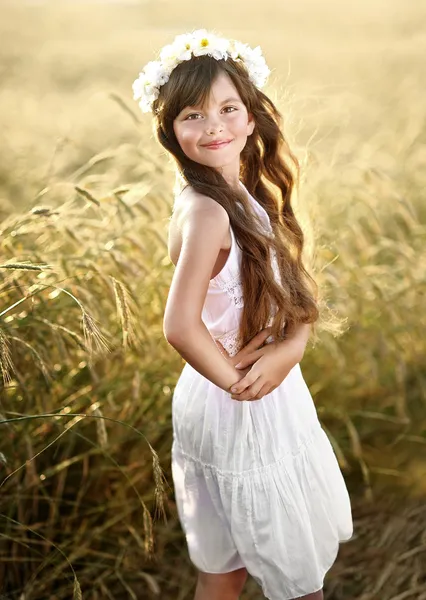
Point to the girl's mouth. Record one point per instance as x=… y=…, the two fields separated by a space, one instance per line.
x=217 y=145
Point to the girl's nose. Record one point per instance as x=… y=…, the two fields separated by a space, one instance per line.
x=214 y=127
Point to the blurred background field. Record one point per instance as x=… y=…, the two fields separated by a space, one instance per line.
x=85 y=196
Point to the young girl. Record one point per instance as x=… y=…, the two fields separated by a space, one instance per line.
x=257 y=484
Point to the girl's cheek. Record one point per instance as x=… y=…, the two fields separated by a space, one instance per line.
x=187 y=135
x=236 y=115
x=237 y=121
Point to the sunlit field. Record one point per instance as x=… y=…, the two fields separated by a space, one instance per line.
x=86 y=503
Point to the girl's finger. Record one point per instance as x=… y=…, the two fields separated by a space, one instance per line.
x=243 y=386
x=249 y=359
x=255 y=344
x=251 y=392
x=258 y=339
x=266 y=389
x=236 y=391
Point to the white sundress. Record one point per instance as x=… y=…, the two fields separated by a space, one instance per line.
x=257 y=484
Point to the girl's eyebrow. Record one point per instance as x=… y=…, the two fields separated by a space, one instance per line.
x=230 y=100
x=221 y=104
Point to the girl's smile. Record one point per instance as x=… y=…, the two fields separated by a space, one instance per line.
x=216 y=145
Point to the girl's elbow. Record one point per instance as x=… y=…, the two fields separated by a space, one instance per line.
x=170 y=325
x=176 y=331
x=173 y=337
x=171 y=332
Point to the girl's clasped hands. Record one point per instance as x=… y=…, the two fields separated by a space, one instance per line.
x=263 y=366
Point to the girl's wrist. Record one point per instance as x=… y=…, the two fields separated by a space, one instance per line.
x=297 y=340
x=294 y=347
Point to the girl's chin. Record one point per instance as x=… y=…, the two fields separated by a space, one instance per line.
x=219 y=162
x=219 y=166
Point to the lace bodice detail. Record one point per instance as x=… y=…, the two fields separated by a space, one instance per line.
x=234 y=288
x=230 y=342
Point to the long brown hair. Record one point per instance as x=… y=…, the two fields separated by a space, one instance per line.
x=262 y=164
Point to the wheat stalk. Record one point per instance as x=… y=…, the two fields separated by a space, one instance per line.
x=123 y=311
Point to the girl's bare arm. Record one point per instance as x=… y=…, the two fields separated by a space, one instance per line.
x=204 y=226
x=297 y=337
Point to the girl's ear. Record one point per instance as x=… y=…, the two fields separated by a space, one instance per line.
x=250 y=124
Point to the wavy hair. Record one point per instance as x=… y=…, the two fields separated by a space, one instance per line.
x=265 y=160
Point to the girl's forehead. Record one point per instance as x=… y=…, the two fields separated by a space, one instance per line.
x=222 y=90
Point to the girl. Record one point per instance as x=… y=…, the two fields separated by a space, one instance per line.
x=258 y=487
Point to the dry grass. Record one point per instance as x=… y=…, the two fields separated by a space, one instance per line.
x=84 y=203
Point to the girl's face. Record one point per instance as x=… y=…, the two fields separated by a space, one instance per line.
x=215 y=134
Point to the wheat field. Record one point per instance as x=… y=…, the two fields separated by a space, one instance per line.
x=86 y=504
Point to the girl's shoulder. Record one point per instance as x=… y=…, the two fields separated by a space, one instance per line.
x=199 y=215
x=190 y=205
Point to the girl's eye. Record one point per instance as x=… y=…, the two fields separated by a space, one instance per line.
x=194 y=116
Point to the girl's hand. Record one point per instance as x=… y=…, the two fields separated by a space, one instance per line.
x=247 y=352
x=272 y=364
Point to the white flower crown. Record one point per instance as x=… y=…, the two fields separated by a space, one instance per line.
x=146 y=87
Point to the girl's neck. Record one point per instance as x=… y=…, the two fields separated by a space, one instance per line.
x=180 y=183
x=231 y=174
